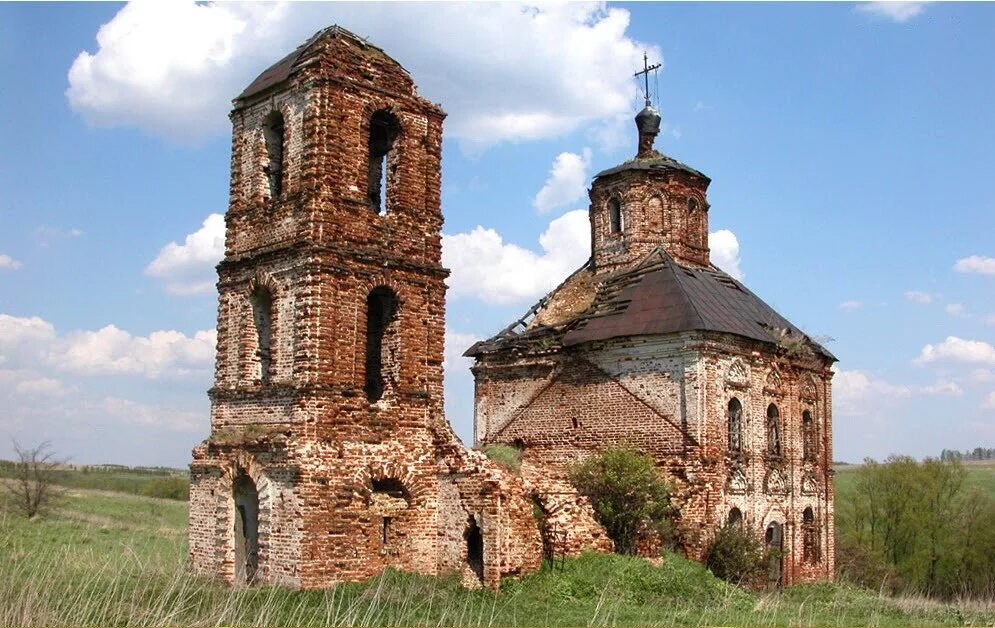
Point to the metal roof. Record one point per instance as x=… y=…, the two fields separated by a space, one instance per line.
x=659 y=163
x=285 y=67
x=658 y=297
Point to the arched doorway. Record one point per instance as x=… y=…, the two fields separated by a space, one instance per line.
x=475 y=548
x=246 y=530
x=774 y=545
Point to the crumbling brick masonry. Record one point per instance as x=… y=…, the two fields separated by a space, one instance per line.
x=329 y=457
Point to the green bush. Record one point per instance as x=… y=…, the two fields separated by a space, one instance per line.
x=628 y=495
x=735 y=555
x=505 y=455
x=170 y=487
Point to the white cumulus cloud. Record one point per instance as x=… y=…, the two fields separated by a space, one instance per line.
x=567 y=181
x=895 y=10
x=851 y=388
x=724 y=251
x=976 y=264
x=110 y=350
x=32 y=343
x=956 y=349
x=918 y=296
x=172 y=68
x=850 y=306
x=9 y=263
x=188 y=268
x=456 y=343
x=954 y=309
x=486 y=267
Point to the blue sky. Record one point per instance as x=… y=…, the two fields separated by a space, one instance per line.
x=849 y=148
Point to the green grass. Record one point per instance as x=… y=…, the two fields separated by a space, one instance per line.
x=114 y=560
x=151 y=482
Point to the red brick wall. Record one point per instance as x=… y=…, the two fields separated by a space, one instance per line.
x=669 y=396
x=655 y=212
x=308 y=437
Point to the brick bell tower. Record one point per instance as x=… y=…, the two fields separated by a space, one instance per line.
x=329 y=457
x=649 y=201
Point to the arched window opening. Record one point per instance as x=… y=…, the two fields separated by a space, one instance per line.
x=392 y=487
x=774 y=542
x=695 y=222
x=809 y=441
x=246 y=529
x=615 y=216
x=774 y=431
x=735 y=517
x=810 y=537
x=475 y=548
x=384 y=130
x=262 y=318
x=273 y=131
x=381 y=342
x=735 y=416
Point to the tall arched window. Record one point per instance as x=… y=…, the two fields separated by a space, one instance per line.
x=735 y=517
x=262 y=319
x=695 y=223
x=273 y=132
x=381 y=342
x=735 y=416
x=774 y=431
x=384 y=129
x=810 y=444
x=615 y=216
x=810 y=537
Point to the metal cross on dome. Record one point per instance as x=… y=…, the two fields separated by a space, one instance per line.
x=647 y=68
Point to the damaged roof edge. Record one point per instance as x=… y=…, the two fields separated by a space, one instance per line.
x=479 y=346
x=659 y=298
x=283 y=69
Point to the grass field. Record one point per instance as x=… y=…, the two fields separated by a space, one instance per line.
x=150 y=482
x=113 y=559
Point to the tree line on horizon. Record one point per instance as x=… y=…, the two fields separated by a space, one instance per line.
x=978 y=453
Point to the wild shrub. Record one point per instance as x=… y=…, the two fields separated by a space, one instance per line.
x=628 y=494
x=735 y=555
x=505 y=455
x=170 y=487
x=32 y=487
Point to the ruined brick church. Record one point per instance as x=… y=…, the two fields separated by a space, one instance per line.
x=330 y=458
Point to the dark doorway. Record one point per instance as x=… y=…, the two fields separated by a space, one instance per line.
x=774 y=542
x=475 y=548
x=246 y=529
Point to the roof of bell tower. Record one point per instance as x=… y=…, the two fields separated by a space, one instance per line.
x=289 y=65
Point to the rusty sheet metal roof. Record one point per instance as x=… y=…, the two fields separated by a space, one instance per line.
x=661 y=163
x=285 y=67
x=658 y=297
x=273 y=75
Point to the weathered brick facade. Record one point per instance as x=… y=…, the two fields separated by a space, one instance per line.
x=649 y=345
x=329 y=457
